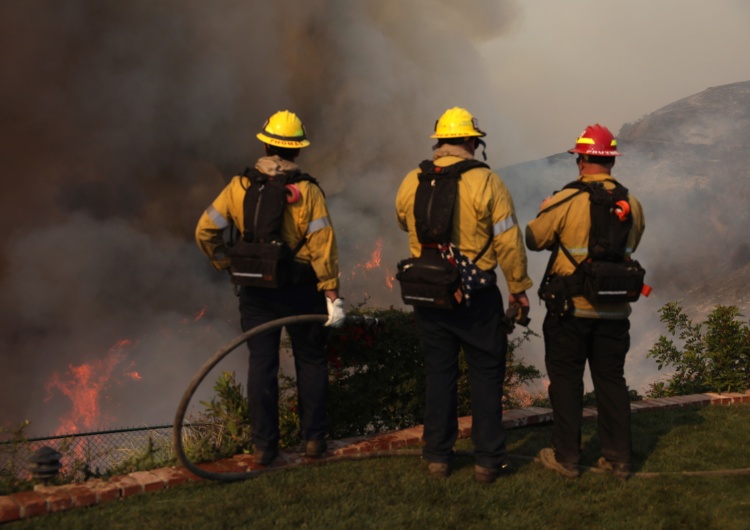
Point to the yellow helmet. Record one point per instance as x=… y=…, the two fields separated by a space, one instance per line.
x=284 y=129
x=457 y=123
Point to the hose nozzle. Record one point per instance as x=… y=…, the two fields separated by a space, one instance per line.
x=363 y=320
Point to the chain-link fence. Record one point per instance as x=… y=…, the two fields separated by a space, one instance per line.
x=90 y=454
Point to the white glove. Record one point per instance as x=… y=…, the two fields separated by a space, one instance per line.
x=336 y=314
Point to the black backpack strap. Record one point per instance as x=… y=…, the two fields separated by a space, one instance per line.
x=466 y=166
x=299 y=177
x=550 y=262
x=484 y=249
x=573 y=283
x=576 y=184
x=429 y=169
x=581 y=187
x=254 y=175
x=426 y=167
x=299 y=245
x=568 y=254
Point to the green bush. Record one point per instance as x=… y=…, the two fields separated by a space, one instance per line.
x=378 y=379
x=289 y=425
x=223 y=429
x=377 y=384
x=717 y=360
x=376 y=376
x=519 y=375
x=137 y=459
x=14 y=440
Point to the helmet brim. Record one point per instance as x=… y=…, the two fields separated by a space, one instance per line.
x=594 y=152
x=283 y=142
x=459 y=135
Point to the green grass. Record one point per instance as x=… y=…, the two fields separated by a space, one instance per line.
x=396 y=492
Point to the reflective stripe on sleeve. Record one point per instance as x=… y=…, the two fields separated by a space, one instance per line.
x=318 y=224
x=216 y=217
x=502 y=226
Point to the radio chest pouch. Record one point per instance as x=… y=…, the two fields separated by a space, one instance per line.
x=261 y=258
x=431 y=280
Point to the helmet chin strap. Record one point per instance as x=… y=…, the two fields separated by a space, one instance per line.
x=484 y=147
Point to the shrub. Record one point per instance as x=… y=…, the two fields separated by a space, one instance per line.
x=519 y=375
x=715 y=361
x=378 y=379
x=289 y=425
x=14 y=440
x=377 y=384
x=224 y=428
x=376 y=376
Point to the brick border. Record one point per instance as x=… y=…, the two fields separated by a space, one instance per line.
x=50 y=499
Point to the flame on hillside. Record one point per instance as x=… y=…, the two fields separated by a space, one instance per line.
x=373 y=265
x=85 y=385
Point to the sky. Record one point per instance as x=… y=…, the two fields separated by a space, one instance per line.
x=565 y=65
x=121 y=121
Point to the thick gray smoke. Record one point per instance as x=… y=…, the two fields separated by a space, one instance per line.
x=688 y=165
x=120 y=123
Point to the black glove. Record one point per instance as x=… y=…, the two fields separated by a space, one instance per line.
x=517 y=314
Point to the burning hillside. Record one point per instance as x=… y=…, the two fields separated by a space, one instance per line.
x=116 y=138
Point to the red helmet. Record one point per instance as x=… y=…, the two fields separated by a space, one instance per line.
x=596 y=140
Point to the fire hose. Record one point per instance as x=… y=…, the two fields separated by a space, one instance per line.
x=513 y=314
x=350 y=319
x=215 y=359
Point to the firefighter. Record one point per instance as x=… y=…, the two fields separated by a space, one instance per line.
x=586 y=331
x=306 y=225
x=484 y=224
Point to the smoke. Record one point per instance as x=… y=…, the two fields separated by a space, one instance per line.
x=687 y=163
x=575 y=63
x=122 y=121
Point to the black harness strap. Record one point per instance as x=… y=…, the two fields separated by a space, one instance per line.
x=556 y=247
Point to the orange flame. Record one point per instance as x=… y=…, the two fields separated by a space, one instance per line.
x=134 y=375
x=200 y=314
x=375 y=258
x=84 y=385
x=375 y=263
